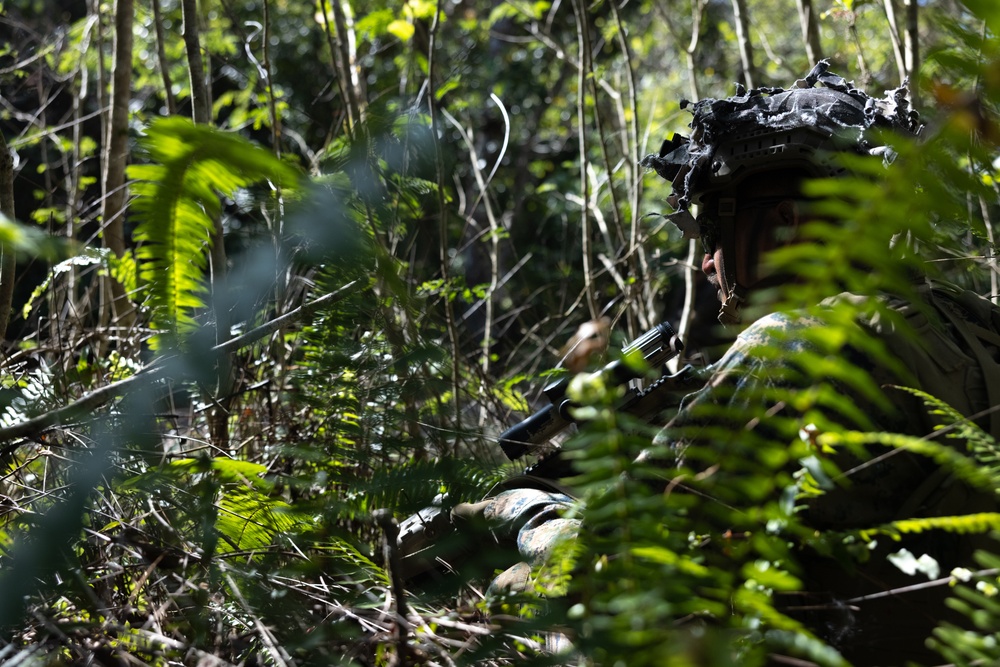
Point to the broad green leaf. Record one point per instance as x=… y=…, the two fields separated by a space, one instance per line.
x=402 y=29
x=988 y=11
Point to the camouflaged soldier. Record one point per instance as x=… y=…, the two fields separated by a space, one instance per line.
x=743 y=166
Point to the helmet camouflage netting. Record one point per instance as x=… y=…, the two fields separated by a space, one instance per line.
x=774 y=128
x=767 y=129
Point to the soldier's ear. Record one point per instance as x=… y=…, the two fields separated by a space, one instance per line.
x=789 y=212
x=790 y=215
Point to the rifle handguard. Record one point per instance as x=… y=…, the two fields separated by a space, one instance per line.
x=657 y=346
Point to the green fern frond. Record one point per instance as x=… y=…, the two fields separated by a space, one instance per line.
x=251 y=520
x=982 y=522
x=177 y=201
x=964 y=467
x=958 y=425
x=366 y=570
x=982 y=446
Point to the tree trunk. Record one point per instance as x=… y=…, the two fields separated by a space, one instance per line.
x=810 y=31
x=201 y=112
x=116 y=156
x=743 y=37
x=911 y=38
x=161 y=55
x=7 y=259
x=897 y=43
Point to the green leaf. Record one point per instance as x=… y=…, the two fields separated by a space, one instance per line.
x=402 y=29
x=984 y=522
x=177 y=202
x=251 y=520
x=665 y=556
x=372 y=26
x=987 y=10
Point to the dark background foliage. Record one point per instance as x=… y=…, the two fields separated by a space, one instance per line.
x=336 y=290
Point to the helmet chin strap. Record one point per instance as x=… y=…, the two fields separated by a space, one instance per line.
x=729 y=313
x=733 y=294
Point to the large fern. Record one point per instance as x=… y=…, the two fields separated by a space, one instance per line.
x=177 y=201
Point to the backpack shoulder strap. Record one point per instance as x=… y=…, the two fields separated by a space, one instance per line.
x=977 y=322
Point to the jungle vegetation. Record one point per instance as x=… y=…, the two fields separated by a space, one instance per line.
x=276 y=274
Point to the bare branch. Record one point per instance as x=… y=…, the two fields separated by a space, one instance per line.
x=7 y=260
x=743 y=38
x=810 y=31
x=36 y=425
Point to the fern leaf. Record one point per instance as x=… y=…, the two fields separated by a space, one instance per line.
x=983 y=522
x=249 y=520
x=958 y=424
x=177 y=202
x=963 y=466
x=982 y=446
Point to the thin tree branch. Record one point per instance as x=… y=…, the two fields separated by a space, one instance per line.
x=341 y=78
x=911 y=39
x=271 y=106
x=154 y=372
x=690 y=266
x=897 y=43
x=636 y=255
x=583 y=71
x=443 y=256
x=743 y=39
x=116 y=154
x=351 y=83
x=991 y=258
x=810 y=31
x=7 y=260
x=161 y=55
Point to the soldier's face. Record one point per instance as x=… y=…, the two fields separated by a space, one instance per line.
x=755 y=232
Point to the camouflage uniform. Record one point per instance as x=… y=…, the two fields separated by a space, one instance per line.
x=533 y=518
x=953 y=356
x=946 y=359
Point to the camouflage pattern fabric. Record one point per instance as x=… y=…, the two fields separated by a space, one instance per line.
x=532 y=518
x=766 y=360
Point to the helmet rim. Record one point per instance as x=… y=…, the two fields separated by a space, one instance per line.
x=799 y=128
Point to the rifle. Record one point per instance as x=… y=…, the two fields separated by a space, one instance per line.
x=657 y=346
x=423 y=536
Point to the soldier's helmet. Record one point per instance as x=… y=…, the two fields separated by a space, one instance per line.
x=800 y=129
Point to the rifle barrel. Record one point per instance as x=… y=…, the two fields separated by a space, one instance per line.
x=657 y=346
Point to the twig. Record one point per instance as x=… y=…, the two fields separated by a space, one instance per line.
x=171 y=643
x=584 y=69
x=154 y=372
x=917 y=587
x=280 y=657
x=442 y=212
x=390 y=529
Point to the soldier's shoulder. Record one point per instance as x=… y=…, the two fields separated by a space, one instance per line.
x=779 y=330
